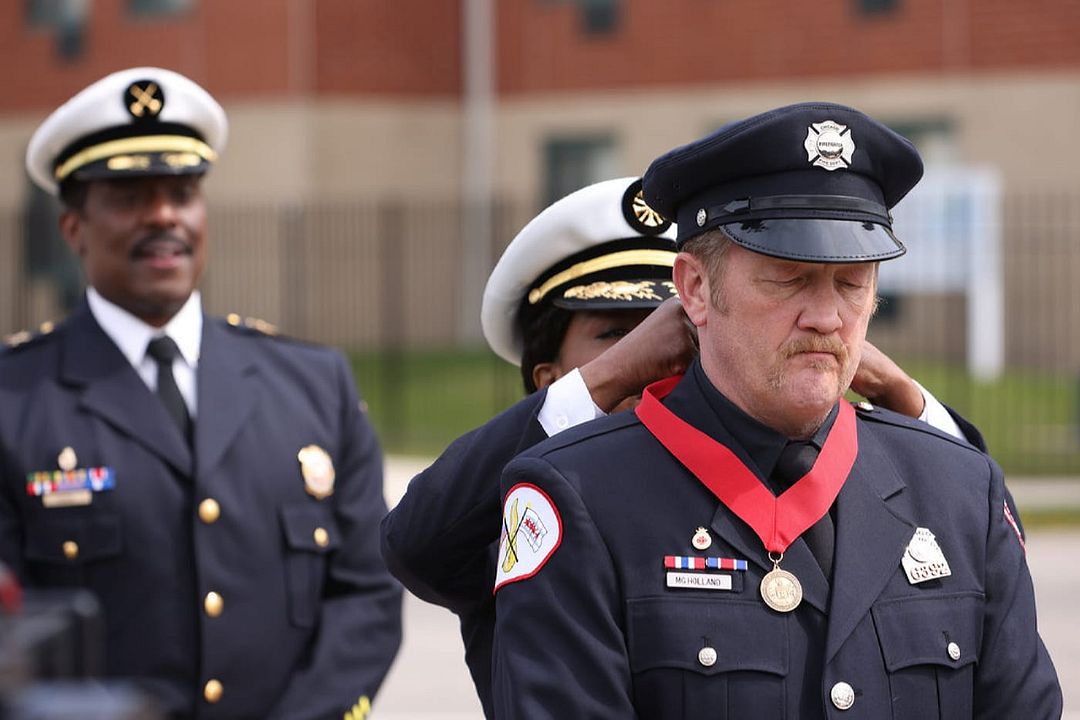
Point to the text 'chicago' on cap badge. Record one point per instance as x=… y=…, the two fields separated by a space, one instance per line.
x=829 y=145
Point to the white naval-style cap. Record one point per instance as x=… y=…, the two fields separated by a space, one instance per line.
x=135 y=122
x=599 y=248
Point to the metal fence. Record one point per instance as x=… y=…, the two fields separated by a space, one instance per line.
x=384 y=282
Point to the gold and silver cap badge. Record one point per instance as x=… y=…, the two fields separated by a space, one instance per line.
x=829 y=145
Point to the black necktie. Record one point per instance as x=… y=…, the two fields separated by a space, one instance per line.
x=795 y=460
x=163 y=349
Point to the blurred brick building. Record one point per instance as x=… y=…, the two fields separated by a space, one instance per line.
x=364 y=127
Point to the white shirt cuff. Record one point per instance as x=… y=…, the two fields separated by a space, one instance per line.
x=934 y=413
x=568 y=403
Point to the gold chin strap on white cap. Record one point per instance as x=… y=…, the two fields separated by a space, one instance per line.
x=133 y=145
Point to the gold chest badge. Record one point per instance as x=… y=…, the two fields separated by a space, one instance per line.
x=318 y=471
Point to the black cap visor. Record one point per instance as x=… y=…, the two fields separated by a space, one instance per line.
x=817 y=240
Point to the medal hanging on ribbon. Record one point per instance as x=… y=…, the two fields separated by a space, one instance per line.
x=778 y=521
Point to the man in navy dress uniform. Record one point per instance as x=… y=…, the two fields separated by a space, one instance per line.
x=582 y=301
x=574 y=283
x=217 y=487
x=746 y=544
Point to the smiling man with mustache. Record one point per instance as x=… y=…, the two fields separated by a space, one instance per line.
x=218 y=488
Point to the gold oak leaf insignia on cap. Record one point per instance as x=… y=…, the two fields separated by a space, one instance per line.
x=618 y=290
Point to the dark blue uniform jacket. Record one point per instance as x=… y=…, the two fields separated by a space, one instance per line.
x=596 y=633
x=310 y=620
x=441 y=539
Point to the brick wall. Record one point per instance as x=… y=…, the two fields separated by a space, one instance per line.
x=686 y=42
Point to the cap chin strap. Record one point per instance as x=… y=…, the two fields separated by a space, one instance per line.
x=761 y=208
x=138 y=144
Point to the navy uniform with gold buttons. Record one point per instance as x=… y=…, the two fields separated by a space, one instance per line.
x=599 y=251
x=225 y=513
x=659 y=564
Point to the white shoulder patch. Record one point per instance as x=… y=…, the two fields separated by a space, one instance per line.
x=532 y=530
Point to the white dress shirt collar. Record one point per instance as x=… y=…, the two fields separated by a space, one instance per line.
x=132 y=335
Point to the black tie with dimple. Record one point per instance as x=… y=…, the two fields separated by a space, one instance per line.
x=163 y=349
x=795 y=460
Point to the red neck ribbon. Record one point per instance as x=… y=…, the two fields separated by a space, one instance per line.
x=778 y=521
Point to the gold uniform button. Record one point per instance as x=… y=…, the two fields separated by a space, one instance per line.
x=322 y=538
x=212 y=691
x=209 y=511
x=213 y=604
x=71 y=549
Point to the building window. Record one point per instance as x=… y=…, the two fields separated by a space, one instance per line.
x=46 y=255
x=65 y=18
x=157 y=8
x=595 y=17
x=876 y=7
x=571 y=163
x=51 y=14
x=935 y=139
x=600 y=17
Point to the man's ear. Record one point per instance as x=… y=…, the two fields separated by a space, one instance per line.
x=70 y=226
x=692 y=282
x=545 y=373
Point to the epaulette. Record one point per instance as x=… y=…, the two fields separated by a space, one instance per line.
x=24 y=337
x=256 y=324
x=601 y=426
x=864 y=405
x=867 y=411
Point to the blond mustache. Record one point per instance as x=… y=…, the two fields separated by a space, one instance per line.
x=817 y=344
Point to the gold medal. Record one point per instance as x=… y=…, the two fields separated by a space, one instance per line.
x=780 y=589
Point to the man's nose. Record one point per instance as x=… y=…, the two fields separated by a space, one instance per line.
x=160 y=209
x=822 y=310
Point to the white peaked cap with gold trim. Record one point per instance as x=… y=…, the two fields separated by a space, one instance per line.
x=135 y=122
x=599 y=248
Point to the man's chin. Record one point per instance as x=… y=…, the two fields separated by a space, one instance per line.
x=161 y=303
x=814 y=388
